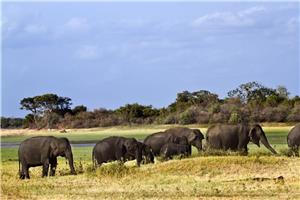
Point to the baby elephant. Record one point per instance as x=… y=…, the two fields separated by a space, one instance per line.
x=171 y=149
x=147 y=154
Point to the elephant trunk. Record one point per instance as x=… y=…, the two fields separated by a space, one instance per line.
x=198 y=145
x=265 y=142
x=151 y=157
x=69 y=157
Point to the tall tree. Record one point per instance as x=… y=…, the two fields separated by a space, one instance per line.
x=252 y=91
x=46 y=106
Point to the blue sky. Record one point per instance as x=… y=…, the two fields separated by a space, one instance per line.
x=105 y=54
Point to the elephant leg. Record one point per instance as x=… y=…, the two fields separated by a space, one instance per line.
x=22 y=175
x=25 y=169
x=296 y=150
x=53 y=166
x=45 y=168
x=190 y=150
x=23 y=172
x=243 y=150
x=120 y=157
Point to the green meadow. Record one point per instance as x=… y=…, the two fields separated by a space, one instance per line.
x=215 y=175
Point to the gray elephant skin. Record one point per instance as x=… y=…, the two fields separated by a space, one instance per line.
x=157 y=140
x=43 y=151
x=171 y=149
x=116 y=148
x=293 y=139
x=236 y=137
x=147 y=154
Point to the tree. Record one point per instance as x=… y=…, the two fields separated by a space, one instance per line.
x=78 y=109
x=132 y=112
x=187 y=99
x=252 y=91
x=282 y=92
x=32 y=105
x=45 y=105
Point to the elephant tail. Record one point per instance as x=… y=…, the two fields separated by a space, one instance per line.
x=19 y=168
x=289 y=142
x=94 y=159
x=19 y=163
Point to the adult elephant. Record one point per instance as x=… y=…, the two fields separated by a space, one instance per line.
x=43 y=151
x=157 y=140
x=116 y=148
x=293 y=139
x=236 y=137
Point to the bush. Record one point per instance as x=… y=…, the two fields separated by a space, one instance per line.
x=218 y=118
x=188 y=117
x=294 y=116
x=11 y=122
x=278 y=114
x=235 y=118
x=115 y=169
x=203 y=117
x=171 y=119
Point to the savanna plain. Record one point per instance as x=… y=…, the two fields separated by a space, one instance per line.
x=207 y=175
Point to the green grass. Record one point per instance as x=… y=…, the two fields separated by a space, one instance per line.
x=222 y=176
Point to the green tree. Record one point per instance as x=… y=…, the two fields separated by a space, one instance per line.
x=45 y=105
x=132 y=112
x=78 y=109
x=252 y=91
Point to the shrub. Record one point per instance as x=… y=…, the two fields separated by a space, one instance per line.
x=218 y=118
x=235 y=118
x=115 y=169
x=294 y=116
x=188 y=117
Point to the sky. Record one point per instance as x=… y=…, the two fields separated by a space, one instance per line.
x=107 y=54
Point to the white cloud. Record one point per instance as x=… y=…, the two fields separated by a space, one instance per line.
x=252 y=10
x=223 y=18
x=35 y=29
x=77 y=23
x=88 y=52
x=241 y=18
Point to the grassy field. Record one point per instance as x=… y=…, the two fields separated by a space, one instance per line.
x=257 y=176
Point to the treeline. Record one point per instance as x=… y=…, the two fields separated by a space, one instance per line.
x=250 y=102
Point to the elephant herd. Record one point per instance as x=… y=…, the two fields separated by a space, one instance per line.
x=44 y=150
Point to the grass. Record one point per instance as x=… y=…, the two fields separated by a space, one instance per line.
x=199 y=177
x=217 y=175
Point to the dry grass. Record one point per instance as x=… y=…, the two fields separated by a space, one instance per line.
x=222 y=176
x=227 y=177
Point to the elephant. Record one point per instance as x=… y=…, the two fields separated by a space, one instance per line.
x=170 y=149
x=157 y=140
x=236 y=137
x=116 y=148
x=147 y=155
x=43 y=151
x=293 y=139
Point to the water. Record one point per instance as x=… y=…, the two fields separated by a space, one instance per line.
x=16 y=145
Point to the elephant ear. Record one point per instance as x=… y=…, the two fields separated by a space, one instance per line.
x=254 y=135
x=198 y=133
x=191 y=136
